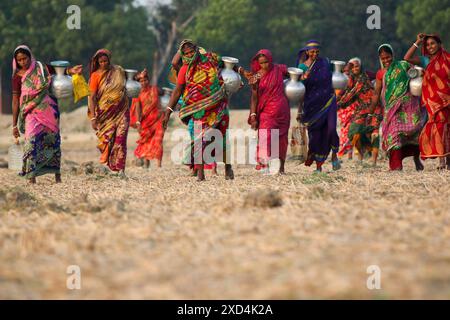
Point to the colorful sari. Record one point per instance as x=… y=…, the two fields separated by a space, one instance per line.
x=150 y=143
x=113 y=116
x=434 y=140
x=273 y=112
x=403 y=117
x=320 y=112
x=345 y=116
x=206 y=105
x=358 y=97
x=38 y=121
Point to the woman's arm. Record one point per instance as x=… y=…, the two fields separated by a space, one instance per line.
x=176 y=61
x=253 y=107
x=376 y=96
x=15 y=110
x=176 y=94
x=138 y=112
x=92 y=105
x=409 y=56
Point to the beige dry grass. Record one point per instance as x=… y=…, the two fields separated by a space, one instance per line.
x=162 y=235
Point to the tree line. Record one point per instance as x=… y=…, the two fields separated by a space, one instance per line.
x=145 y=34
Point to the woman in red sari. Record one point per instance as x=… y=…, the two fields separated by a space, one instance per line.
x=434 y=140
x=147 y=118
x=269 y=108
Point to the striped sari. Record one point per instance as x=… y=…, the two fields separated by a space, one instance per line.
x=403 y=118
x=206 y=105
x=435 y=137
x=113 y=116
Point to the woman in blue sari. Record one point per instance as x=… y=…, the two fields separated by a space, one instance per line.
x=319 y=111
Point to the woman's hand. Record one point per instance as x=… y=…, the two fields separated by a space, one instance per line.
x=166 y=119
x=253 y=122
x=94 y=124
x=306 y=75
x=299 y=117
x=420 y=37
x=78 y=69
x=16 y=132
x=138 y=126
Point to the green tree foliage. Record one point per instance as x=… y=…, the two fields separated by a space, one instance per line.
x=428 y=16
x=41 y=24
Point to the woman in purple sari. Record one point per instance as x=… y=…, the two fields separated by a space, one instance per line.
x=269 y=112
x=319 y=111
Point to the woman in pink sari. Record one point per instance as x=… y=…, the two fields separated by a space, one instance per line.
x=269 y=111
x=36 y=115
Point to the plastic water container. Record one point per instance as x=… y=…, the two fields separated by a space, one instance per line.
x=15 y=156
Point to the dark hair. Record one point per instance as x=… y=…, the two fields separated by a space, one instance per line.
x=385 y=50
x=189 y=45
x=101 y=55
x=23 y=51
x=434 y=37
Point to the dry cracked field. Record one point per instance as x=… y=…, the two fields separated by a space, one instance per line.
x=162 y=235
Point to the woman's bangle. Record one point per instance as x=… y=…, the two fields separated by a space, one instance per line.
x=170 y=109
x=253 y=114
x=94 y=118
x=415 y=45
x=15 y=126
x=138 y=122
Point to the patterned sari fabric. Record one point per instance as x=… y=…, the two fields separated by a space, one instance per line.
x=273 y=110
x=345 y=116
x=205 y=103
x=113 y=116
x=358 y=97
x=403 y=117
x=320 y=113
x=150 y=143
x=434 y=140
x=39 y=121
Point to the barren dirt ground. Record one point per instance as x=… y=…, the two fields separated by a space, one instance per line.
x=162 y=235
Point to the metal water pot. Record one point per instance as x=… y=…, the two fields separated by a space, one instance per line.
x=61 y=86
x=415 y=84
x=339 y=79
x=165 y=99
x=294 y=89
x=231 y=78
x=132 y=86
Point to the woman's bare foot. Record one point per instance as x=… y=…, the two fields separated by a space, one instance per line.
x=229 y=174
x=158 y=163
x=214 y=171
x=418 y=163
x=201 y=174
x=147 y=164
x=32 y=180
x=282 y=171
x=58 y=178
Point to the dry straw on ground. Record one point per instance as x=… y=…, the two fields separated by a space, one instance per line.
x=160 y=234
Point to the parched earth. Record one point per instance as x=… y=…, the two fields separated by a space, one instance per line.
x=162 y=235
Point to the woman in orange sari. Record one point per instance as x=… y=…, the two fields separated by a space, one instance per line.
x=434 y=141
x=108 y=110
x=147 y=118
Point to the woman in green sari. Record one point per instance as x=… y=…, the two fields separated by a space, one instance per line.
x=403 y=118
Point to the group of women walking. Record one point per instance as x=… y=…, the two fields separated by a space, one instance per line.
x=406 y=125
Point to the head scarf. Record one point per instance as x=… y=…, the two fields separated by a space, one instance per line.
x=310 y=45
x=15 y=66
x=142 y=74
x=185 y=59
x=255 y=64
x=94 y=65
x=436 y=37
x=385 y=45
x=355 y=59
